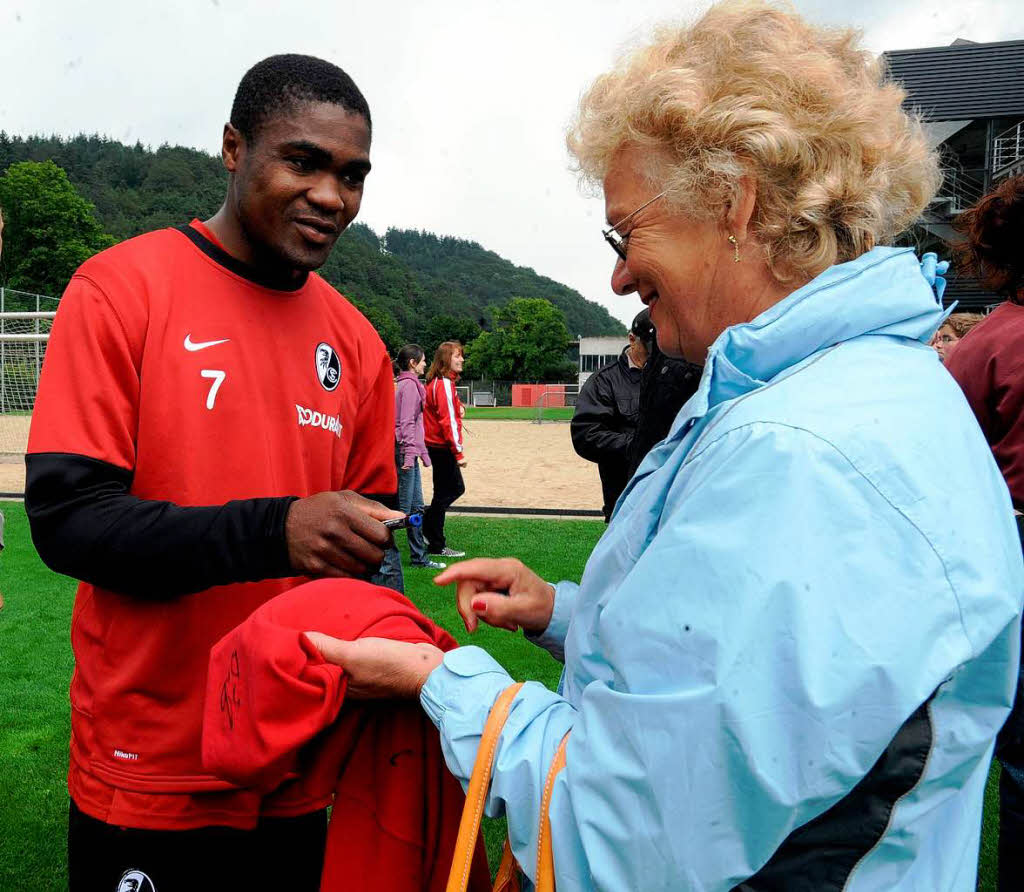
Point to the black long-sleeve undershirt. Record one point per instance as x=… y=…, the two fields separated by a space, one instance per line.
x=87 y=525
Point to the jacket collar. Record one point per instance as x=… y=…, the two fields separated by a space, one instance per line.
x=883 y=292
x=627 y=366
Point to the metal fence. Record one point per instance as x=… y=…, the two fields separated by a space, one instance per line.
x=498 y=391
x=501 y=391
x=14 y=301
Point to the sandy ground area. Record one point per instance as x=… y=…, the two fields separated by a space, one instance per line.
x=514 y=464
x=12 y=473
x=13 y=440
x=519 y=464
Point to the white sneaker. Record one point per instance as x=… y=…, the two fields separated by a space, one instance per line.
x=431 y=565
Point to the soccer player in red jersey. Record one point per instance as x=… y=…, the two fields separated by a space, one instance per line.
x=214 y=423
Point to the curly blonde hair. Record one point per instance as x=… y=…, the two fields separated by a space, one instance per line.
x=752 y=89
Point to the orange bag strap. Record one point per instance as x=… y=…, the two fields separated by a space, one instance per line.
x=507 y=878
x=476 y=794
x=545 y=857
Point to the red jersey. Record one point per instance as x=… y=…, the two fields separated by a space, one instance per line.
x=442 y=415
x=170 y=363
x=988 y=365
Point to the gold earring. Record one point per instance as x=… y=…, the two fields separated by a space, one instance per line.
x=736 y=248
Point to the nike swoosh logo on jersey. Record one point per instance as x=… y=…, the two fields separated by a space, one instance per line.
x=192 y=346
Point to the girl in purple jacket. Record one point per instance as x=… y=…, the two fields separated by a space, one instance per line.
x=409 y=394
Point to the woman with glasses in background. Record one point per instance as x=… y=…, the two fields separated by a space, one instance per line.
x=952 y=331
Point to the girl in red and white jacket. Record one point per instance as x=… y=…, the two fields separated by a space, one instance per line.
x=442 y=427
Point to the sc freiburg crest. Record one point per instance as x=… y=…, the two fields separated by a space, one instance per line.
x=135 y=881
x=328 y=366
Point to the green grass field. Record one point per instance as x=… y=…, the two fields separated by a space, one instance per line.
x=517 y=413
x=36 y=668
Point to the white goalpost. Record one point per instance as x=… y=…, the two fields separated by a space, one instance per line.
x=23 y=337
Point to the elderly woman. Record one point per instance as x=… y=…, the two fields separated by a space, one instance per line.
x=784 y=667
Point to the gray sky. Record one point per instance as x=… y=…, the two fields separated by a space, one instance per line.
x=470 y=98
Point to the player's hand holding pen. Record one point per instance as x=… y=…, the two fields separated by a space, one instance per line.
x=502 y=592
x=337 y=534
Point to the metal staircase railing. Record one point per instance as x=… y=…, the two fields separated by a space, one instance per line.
x=960 y=189
x=1008 y=151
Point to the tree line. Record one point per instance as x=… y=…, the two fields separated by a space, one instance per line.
x=65 y=199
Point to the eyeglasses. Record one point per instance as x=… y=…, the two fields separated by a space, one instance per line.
x=619 y=242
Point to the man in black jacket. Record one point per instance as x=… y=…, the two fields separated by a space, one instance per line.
x=665 y=385
x=607 y=410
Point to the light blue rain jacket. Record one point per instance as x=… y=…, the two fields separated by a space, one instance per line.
x=819 y=558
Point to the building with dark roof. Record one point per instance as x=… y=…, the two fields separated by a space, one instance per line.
x=971 y=99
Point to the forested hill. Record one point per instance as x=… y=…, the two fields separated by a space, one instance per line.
x=478 y=277
x=402 y=280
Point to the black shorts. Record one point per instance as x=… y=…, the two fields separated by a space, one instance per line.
x=279 y=854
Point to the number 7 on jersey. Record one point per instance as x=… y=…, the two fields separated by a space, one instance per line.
x=218 y=377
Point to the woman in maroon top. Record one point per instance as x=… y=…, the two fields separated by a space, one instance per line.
x=989 y=367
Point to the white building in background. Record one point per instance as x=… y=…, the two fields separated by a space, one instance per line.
x=598 y=352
